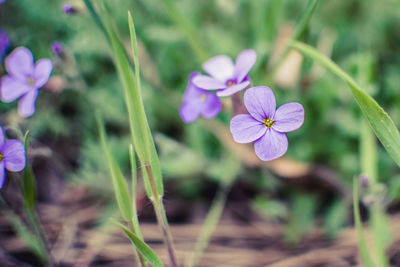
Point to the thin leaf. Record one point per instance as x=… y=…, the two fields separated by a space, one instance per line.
x=118 y=180
x=139 y=126
x=378 y=119
x=135 y=220
x=362 y=245
x=29 y=184
x=142 y=247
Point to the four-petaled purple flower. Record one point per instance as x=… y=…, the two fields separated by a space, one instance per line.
x=12 y=156
x=265 y=125
x=197 y=101
x=4 y=43
x=24 y=79
x=226 y=77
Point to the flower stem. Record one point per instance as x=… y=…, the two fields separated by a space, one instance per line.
x=162 y=218
x=209 y=226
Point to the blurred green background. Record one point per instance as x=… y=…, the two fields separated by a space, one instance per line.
x=363 y=37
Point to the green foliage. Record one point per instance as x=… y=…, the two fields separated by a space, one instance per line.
x=379 y=120
x=29 y=181
x=142 y=247
x=118 y=180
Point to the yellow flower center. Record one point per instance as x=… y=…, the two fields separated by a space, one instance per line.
x=268 y=122
x=230 y=83
x=203 y=97
x=1 y=157
x=31 y=81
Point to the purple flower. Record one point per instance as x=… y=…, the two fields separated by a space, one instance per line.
x=226 y=77
x=197 y=101
x=68 y=9
x=265 y=125
x=57 y=49
x=4 y=43
x=2 y=1
x=24 y=79
x=12 y=156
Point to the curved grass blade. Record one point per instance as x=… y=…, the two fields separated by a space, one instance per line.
x=367 y=261
x=139 y=126
x=118 y=180
x=378 y=119
x=29 y=184
x=142 y=247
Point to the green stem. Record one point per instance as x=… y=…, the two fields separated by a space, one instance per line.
x=365 y=255
x=34 y=221
x=209 y=226
x=162 y=218
x=305 y=19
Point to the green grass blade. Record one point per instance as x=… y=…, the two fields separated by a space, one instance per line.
x=94 y=15
x=140 y=130
x=28 y=184
x=378 y=119
x=118 y=180
x=135 y=220
x=300 y=28
x=142 y=247
x=360 y=232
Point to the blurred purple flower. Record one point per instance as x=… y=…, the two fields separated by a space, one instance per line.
x=57 y=49
x=226 y=77
x=2 y=1
x=4 y=43
x=265 y=125
x=68 y=9
x=12 y=156
x=197 y=101
x=24 y=79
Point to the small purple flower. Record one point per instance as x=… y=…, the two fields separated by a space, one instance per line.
x=197 y=101
x=4 y=43
x=68 y=9
x=12 y=156
x=57 y=48
x=226 y=77
x=24 y=79
x=265 y=125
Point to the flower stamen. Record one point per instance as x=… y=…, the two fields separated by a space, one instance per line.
x=268 y=122
x=230 y=83
x=203 y=97
x=1 y=157
x=31 y=81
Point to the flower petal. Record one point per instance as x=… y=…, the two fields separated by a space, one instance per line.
x=26 y=105
x=2 y=174
x=246 y=129
x=272 y=145
x=233 y=89
x=219 y=67
x=12 y=88
x=20 y=63
x=211 y=106
x=1 y=136
x=260 y=102
x=14 y=155
x=208 y=83
x=43 y=68
x=244 y=62
x=190 y=110
x=289 y=117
